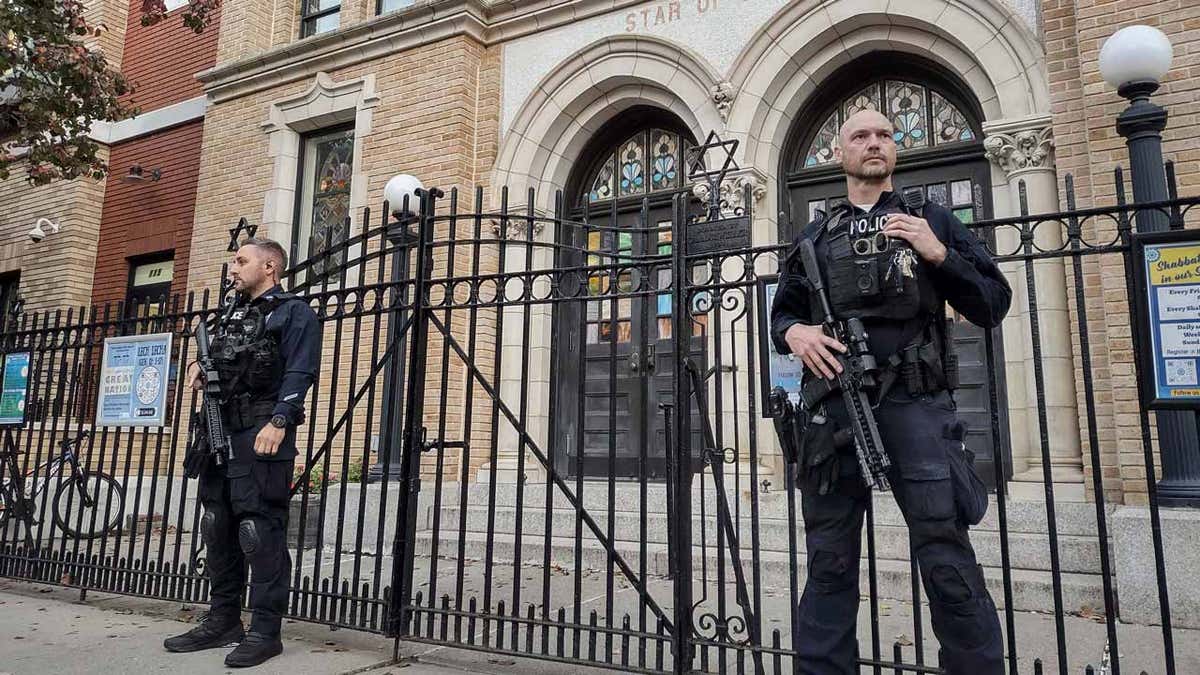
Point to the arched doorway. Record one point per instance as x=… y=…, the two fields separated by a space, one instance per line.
x=615 y=355
x=939 y=150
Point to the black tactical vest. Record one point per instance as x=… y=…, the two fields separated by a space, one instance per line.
x=245 y=353
x=868 y=274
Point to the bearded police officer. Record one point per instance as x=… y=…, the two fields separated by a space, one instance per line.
x=891 y=261
x=266 y=350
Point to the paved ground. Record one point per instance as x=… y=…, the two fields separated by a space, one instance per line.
x=45 y=629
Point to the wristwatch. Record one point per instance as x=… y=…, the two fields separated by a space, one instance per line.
x=279 y=421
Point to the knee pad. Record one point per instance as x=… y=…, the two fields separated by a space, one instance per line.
x=249 y=537
x=833 y=571
x=209 y=523
x=950 y=586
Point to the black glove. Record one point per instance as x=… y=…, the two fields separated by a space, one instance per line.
x=198 y=453
x=819 y=465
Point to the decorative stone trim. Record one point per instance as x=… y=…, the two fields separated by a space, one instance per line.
x=733 y=190
x=1020 y=145
x=326 y=103
x=723 y=94
x=149 y=122
x=420 y=24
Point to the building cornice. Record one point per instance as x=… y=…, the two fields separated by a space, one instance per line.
x=402 y=30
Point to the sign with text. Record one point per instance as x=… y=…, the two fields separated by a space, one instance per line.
x=133 y=381
x=778 y=370
x=1168 y=297
x=14 y=389
x=716 y=236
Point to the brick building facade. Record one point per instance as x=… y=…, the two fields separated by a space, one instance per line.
x=464 y=93
x=146 y=225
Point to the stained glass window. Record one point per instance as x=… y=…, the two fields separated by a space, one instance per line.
x=632 y=162
x=328 y=162
x=602 y=184
x=821 y=150
x=906 y=107
x=665 y=146
x=949 y=124
x=649 y=161
x=921 y=116
x=867 y=99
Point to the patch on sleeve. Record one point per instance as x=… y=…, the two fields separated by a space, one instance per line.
x=290 y=397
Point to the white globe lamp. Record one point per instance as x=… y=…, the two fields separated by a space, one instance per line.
x=399 y=188
x=1135 y=54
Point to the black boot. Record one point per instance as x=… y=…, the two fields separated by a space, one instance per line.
x=253 y=650
x=212 y=632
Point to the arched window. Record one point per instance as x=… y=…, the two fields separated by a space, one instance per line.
x=646 y=162
x=923 y=117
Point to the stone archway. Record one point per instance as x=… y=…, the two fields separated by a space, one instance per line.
x=542 y=145
x=986 y=46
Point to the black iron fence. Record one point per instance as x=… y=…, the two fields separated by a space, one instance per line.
x=529 y=437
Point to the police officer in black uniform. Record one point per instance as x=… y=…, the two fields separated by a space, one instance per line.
x=893 y=263
x=266 y=348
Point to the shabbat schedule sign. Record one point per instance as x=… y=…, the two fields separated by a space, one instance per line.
x=1169 y=318
x=133 y=381
x=14 y=389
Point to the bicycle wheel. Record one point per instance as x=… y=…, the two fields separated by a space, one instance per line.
x=88 y=521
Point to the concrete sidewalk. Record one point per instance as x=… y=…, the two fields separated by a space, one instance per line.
x=45 y=629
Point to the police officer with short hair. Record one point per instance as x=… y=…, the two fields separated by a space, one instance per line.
x=893 y=263
x=266 y=348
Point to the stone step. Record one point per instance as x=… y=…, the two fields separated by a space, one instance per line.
x=1077 y=553
x=1071 y=518
x=1032 y=589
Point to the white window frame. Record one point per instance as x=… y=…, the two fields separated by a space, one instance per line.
x=325 y=104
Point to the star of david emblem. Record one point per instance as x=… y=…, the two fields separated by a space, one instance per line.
x=698 y=159
x=236 y=232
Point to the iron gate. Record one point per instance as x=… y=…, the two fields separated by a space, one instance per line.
x=433 y=504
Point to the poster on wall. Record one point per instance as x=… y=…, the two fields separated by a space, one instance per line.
x=782 y=370
x=14 y=389
x=1168 y=294
x=133 y=381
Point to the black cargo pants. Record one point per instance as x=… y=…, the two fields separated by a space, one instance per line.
x=963 y=614
x=245 y=521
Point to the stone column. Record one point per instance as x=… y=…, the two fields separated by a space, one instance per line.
x=513 y=347
x=1023 y=150
x=735 y=335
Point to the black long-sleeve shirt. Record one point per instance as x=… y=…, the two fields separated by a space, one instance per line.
x=296 y=328
x=968 y=279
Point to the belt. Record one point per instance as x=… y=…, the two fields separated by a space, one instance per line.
x=242 y=413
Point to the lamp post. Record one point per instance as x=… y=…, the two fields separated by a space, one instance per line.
x=400 y=195
x=1134 y=60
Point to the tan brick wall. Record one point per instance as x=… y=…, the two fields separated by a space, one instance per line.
x=1085 y=110
x=111 y=15
x=445 y=134
x=56 y=272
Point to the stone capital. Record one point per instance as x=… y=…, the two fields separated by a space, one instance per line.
x=733 y=189
x=1020 y=145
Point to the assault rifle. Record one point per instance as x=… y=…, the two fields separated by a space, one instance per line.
x=858 y=374
x=214 y=435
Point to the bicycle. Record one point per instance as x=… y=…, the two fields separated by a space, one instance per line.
x=88 y=504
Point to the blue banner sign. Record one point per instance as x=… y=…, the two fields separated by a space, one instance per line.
x=14 y=390
x=133 y=381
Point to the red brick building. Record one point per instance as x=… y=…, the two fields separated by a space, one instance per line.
x=150 y=193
